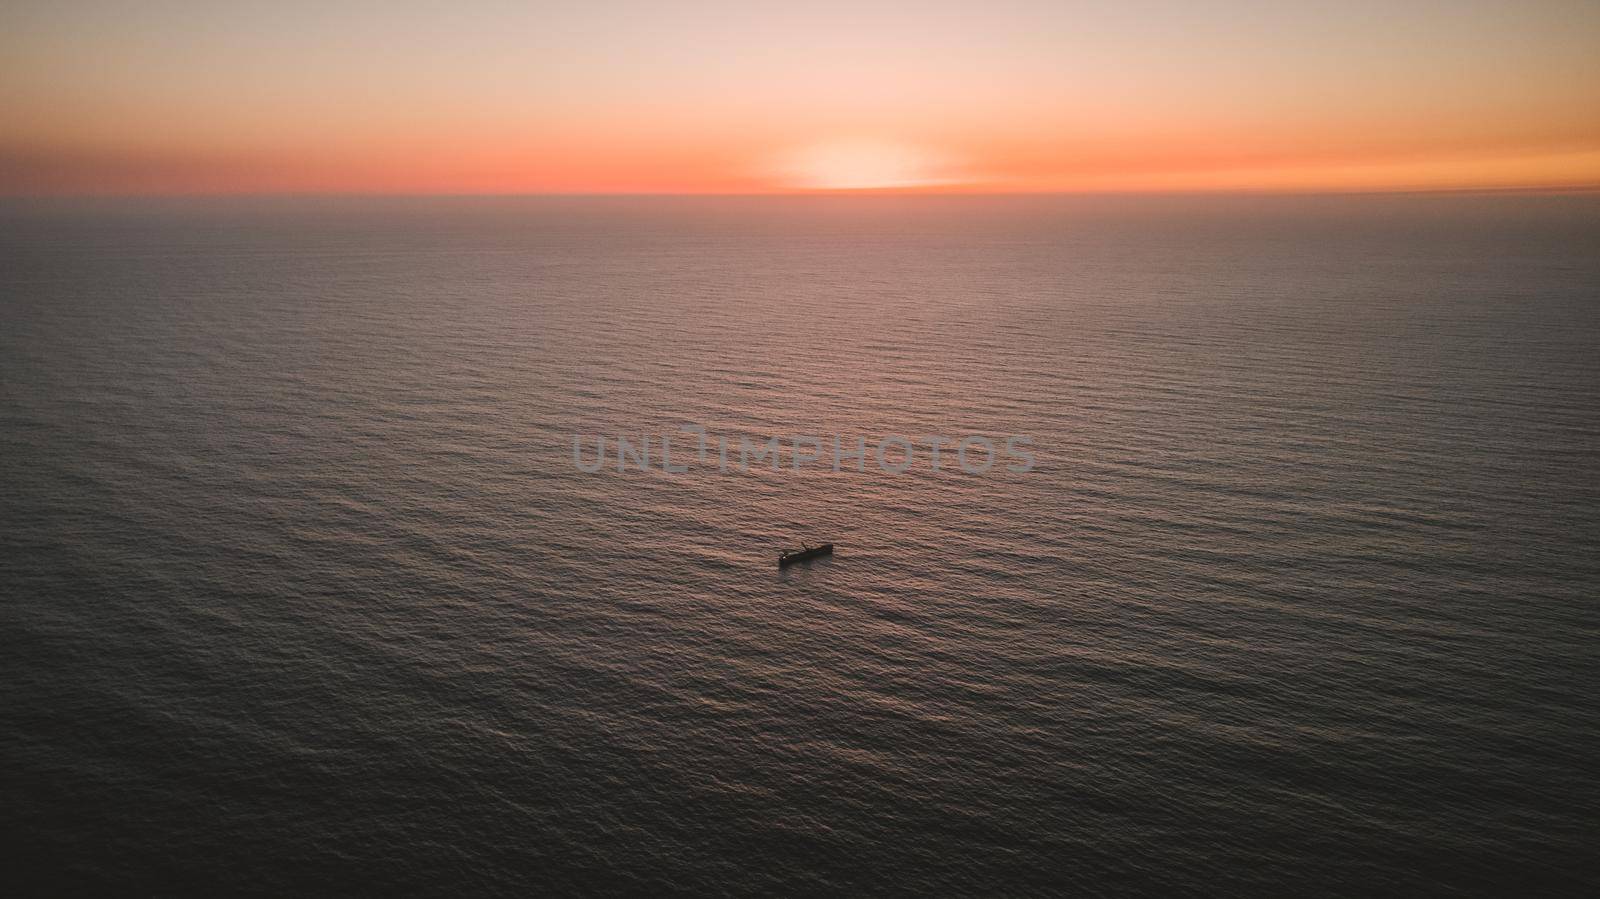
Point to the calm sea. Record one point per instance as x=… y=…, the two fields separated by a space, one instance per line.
x=301 y=592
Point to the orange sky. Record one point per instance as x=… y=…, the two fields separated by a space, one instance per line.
x=1009 y=95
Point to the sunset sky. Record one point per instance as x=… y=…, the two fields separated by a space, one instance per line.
x=474 y=96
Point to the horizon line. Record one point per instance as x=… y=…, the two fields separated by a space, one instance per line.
x=1555 y=190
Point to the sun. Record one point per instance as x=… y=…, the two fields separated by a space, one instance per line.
x=861 y=164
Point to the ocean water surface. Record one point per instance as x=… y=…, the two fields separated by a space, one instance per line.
x=302 y=594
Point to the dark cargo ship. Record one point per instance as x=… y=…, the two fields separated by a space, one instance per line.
x=804 y=553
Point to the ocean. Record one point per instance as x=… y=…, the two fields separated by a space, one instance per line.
x=304 y=593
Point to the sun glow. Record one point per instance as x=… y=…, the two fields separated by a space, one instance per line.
x=863 y=165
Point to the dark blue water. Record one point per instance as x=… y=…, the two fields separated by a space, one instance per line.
x=303 y=594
